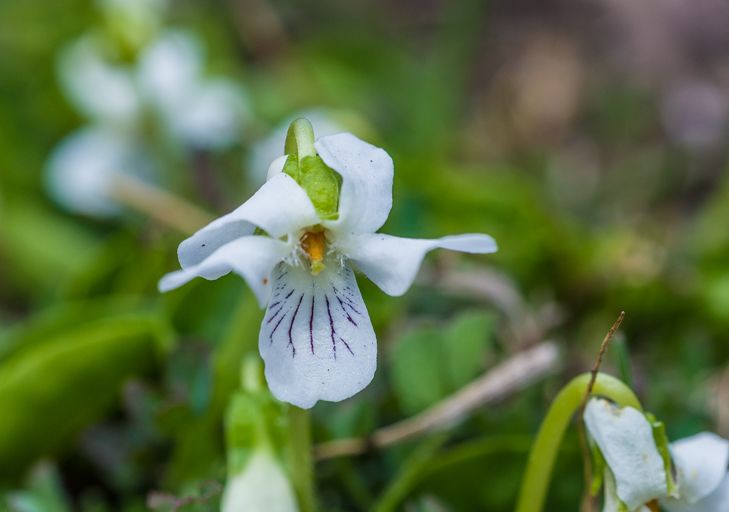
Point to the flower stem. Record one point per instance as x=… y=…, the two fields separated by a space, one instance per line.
x=300 y=457
x=544 y=450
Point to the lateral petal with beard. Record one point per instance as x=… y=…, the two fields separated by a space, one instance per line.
x=316 y=338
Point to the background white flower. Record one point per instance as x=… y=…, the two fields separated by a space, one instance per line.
x=316 y=338
x=80 y=171
x=701 y=470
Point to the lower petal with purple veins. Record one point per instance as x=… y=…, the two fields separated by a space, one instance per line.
x=317 y=339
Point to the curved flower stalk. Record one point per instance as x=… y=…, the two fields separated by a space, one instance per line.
x=640 y=464
x=295 y=242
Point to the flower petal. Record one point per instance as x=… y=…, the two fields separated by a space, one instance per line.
x=625 y=438
x=392 y=262
x=367 y=172
x=611 y=501
x=717 y=501
x=316 y=338
x=280 y=207
x=701 y=464
x=261 y=487
x=253 y=257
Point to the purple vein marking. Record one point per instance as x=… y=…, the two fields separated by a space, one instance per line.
x=290 y=294
x=331 y=327
x=279 y=277
x=291 y=326
x=279 y=323
x=345 y=344
x=275 y=314
x=274 y=304
x=311 y=324
x=342 y=304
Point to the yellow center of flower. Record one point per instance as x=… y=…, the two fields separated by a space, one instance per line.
x=313 y=245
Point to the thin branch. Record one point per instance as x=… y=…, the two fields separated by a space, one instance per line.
x=587 y=501
x=513 y=374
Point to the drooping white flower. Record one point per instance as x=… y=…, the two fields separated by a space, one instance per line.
x=625 y=438
x=316 y=337
x=701 y=470
x=81 y=170
x=636 y=472
x=262 y=486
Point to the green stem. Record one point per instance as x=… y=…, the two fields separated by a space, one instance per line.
x=300 y=456
x=544 y=450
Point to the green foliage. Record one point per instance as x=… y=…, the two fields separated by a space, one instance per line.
x=427 y=363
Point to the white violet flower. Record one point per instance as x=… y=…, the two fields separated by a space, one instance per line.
x=295 y=242
x=689 y=475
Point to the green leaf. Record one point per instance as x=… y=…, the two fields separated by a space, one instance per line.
x=467 y=340
x=51 y=391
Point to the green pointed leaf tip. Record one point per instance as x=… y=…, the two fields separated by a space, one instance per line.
x=598 y=469
x=321 y=183
x=661 y=439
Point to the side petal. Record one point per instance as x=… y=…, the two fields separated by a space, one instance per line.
x=253 y=257
x=279 y=207
x=392 y=262
x=316 y=338
x=626 y=440
x=717 y=501
x=701 y=464
x=367 y=172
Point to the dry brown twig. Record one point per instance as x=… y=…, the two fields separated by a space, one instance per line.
x=511 y=375
x=165 y=208
x=587 y=501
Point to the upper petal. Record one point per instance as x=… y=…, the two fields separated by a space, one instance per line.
x=280 y=207
x=367 y=172
x=625 y=438
x=392 y=262
x=316 y=338
x=701 y=464
x=253 y=257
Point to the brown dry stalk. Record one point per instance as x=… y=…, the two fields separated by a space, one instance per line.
x=160 y=205
x=511 y=375
x=587 y=501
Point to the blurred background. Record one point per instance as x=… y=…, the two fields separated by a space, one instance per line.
x=589 y=138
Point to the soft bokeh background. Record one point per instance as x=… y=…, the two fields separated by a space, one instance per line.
x=589 y=138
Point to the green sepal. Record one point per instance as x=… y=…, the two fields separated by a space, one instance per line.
x=598 y=469
x=661 y=439
x=322 y=184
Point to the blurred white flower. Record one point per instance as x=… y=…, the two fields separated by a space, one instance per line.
x=205 y=113
x=266 y=150
x=168 y=80
x=262 y=486
x=316 y=338
x=81 y=170
x=101 y=92
x=701 y=470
